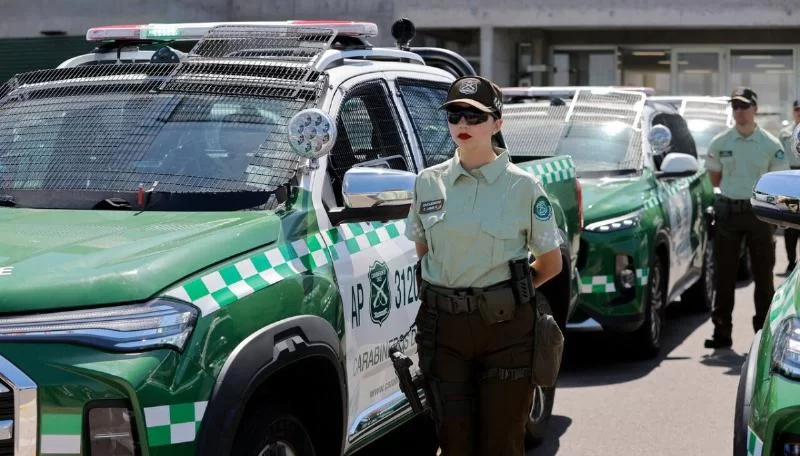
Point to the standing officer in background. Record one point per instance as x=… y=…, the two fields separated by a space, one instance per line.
x=790 y=234
x=736 y=159
x=474 y=219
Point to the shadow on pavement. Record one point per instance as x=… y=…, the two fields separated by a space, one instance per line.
x=605 y=359
x=725 y=358
x=550 y=444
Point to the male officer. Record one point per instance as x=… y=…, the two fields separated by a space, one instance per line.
x=736 y=159
x=790 y=234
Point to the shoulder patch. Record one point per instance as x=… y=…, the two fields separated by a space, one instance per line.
x=542 y=209
x=779 y=154
x=725 y=153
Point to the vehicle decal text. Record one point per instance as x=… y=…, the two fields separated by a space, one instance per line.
x=386 y=289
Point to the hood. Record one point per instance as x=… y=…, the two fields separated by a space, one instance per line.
x=607 y=197
x=57 y=259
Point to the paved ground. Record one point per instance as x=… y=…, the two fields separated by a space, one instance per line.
x=679 y=403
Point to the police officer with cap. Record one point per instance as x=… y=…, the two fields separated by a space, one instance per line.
x=790 y=235
x=737 y=157
x=474 y=220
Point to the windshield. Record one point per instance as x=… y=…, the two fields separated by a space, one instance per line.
x=703 y=131
x=65 y=133
x=596 y=144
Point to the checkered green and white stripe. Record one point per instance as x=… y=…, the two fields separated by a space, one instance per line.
x=220 y=288
x=605 y=284
x=670 y=190
x=351 y=238
x=783 y=301
x=171 y=424
x=60 y=434
x=225 y=286
x=754 y=444
x=555 y=171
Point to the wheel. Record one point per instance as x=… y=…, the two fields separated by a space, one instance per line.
x=702 y=294
x=647 y=339
x=741 y=416
x=272 y=430
x=543 y=398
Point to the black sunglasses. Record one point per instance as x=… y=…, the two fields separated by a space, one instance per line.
x=472 y=117
x=740 y=105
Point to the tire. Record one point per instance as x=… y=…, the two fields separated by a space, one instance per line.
x=272 y=430
x=543 y=398
x=703 y=293
x=741 y=417
x=647 y=339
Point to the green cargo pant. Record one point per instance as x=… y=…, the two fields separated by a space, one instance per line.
x=735 y=221
x=480 y=378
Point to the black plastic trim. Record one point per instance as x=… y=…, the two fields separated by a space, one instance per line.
x=261 y=355
x=86 y=439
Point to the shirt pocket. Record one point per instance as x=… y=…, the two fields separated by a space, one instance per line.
x=505 y=237
x=728 y=166
x=431 y=222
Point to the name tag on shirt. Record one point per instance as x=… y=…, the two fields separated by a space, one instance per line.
x=426 y=207
x=725 y=153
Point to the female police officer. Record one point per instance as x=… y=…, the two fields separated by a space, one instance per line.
x=472 y=216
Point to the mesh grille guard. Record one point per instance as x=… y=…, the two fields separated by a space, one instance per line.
x=538 y=129
x=215 y=122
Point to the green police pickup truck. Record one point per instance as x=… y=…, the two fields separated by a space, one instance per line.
x=767 y=412
x=202 y=253
x=645 y=239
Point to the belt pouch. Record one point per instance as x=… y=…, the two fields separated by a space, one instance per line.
x=497 y=306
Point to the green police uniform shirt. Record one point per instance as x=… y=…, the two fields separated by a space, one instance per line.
x=743 y=160
x=475 y=222
x=785 y=135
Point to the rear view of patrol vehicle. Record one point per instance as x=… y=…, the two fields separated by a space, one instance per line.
x=201 y=246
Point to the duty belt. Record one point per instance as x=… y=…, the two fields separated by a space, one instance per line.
x=736 y=205
x=458 y=300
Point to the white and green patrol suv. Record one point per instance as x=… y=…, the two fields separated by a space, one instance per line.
x=201 y=252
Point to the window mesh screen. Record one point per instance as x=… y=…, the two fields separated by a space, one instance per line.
x=215 y=122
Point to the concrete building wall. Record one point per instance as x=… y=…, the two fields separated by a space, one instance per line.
x=28 y=18
x=24 y=18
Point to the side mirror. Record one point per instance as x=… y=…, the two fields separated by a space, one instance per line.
x=776 y=199
x=375 y=194
x=660 y=137
x=677 y=164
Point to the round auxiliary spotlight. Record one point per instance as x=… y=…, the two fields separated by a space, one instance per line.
x=312 y=133
x=403 y=32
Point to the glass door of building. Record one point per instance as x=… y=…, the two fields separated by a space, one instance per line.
x=586 y=66
x=698 y=72
x=770 y=73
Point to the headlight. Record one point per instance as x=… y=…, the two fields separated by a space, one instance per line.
x=615 y=224
x=157 y=324
x=786 y=349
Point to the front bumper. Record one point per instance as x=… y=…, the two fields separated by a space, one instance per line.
x=64 y=382
x=776 y=417
x=603 y=303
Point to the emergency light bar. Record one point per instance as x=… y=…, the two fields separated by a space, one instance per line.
x=567 y=91
x=197 y=30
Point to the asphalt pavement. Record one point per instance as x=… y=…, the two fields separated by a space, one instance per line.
x=608 y=403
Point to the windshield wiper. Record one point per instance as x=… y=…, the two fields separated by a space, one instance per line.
x=7 y=201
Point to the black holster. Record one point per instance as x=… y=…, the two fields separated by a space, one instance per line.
x=522 y=281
